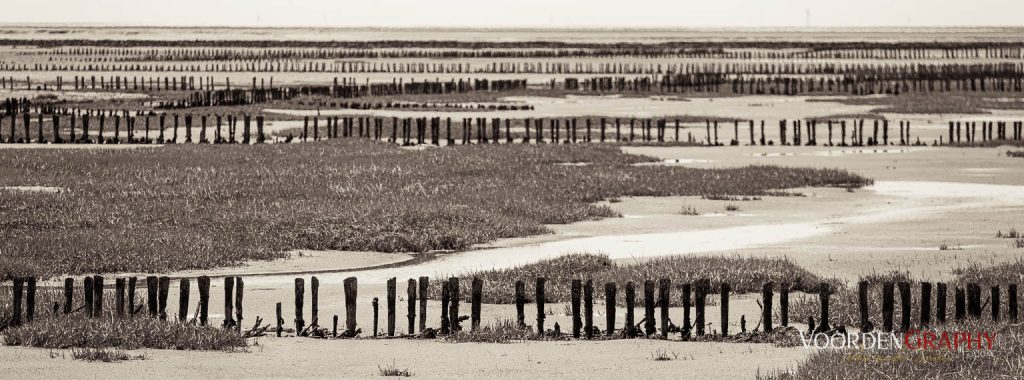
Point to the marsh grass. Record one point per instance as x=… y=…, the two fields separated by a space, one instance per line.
x=391 y=370
x=126 y=334
x=1003 y=362
x=106 y=355
x=202 y=206
x=744 y=274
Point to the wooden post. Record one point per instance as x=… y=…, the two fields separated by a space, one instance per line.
x=476 y=298
x=229 y=305
x=165 y=286
x=392 y=285
x=824 y=292
x=18 y=289
x=630 y=326
x=445 y=293
x=994 y=297
x=685 y=290
x=314 y=302
x=941 y=294
x=974 y=300
x=588 y=304
x=520 y=304
x=609 y=307
x=960 y=304
x=766 y=309
x=424 y=285
x=699 y=300
x=97 y=288
x=204 y=299
x=411 y=298
x=663 y=300
x=724 y=304
x=280 y=321
x=576 y=287
x=453 y=305
x=300 y=294
x=334 y=329
x=152 y=287
x=784 y=304
x=376 y=308
x=888 y=301
x=239 y=295
x=69 y=292
x=119 y=297
x=350 y=286
x=540 y=305
x=862 y=306
x=30 y=298
x=131 y=295
x=649 y=327
x=1011 y=298
x=183 y=289
x=905 y=303
x=926 y=304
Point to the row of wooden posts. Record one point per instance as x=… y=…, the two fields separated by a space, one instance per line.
x=968 y=303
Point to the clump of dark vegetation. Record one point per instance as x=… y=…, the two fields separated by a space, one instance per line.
x=744 y=274
x=1015 y=153
x=203 y=206
x=392 y=370
x=106 y=355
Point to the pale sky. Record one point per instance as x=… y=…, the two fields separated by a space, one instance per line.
x=517 y=13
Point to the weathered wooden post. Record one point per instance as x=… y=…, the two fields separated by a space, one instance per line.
x=664 y=296
x=229 y=308
x=30 y=299
x=520 y=304
x=476 y=298
x=18 y=289
x=539 y=295
x=453 y=306
x=724 y=304
x=685 y=328
x=152 y=287
x=824 y=292
x=905 y=303
x=994 y=298
x=165 y=285
x=376 y=309
x=392 y=289
x=411 y=312
x=69 y=292
x=630 y=327
x=300 y=293
x=766 y=309
x=350 y=286
x=97 y=297
x=574 y=294
x=974 y=300
x=960 y=304
x=862 y=306
x=445 y=294
x=926 y=304
x=700 y=298
x=588 y=308
x=424 y=285
x=183 y=290
x=239 y=295
x=609 y=307
x=784 y=304
x=941 y=294
x=888 y=304
x=649 y=326
x=314 y=302
x=280 y=320
x=1011 y=295
x=204 y=299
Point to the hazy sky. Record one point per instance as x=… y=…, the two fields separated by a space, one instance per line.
x=518 y=13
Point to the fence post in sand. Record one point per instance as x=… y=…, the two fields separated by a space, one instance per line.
x=453 y=306
x=609 y=307
x=69 y=292
x=411 y=298
x=686 y=301
x=905 y=315
x=204 y=299
x=165 y=285
x=974 y=300
x=649 y=326
x=824 y=292
x=314 y=301
x=664 y=295
x=941 y=295
x=424 y=285
x=229 y=308
x=888 y=303
x=119 y=297
x=539 y=295
x=700 y=297
x=350 y=286
x=724 y=305
x=17 y=290
x=520 y=296
x=280 y=321
x=392 y=285
x=960 y=304
x=476 y=297
x=766 y=308
x=30 y=299
x=862 y=306
x=994 y=298
x=630 y=326
x=588 y=309
x=151 y=295
x=444 y=308
x=183 y=290
x=239 y=293
x=97 y=297
x=300 y=290
x=926 y=304
x=375 y=304
x=1011 y=302
x=574 y=295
